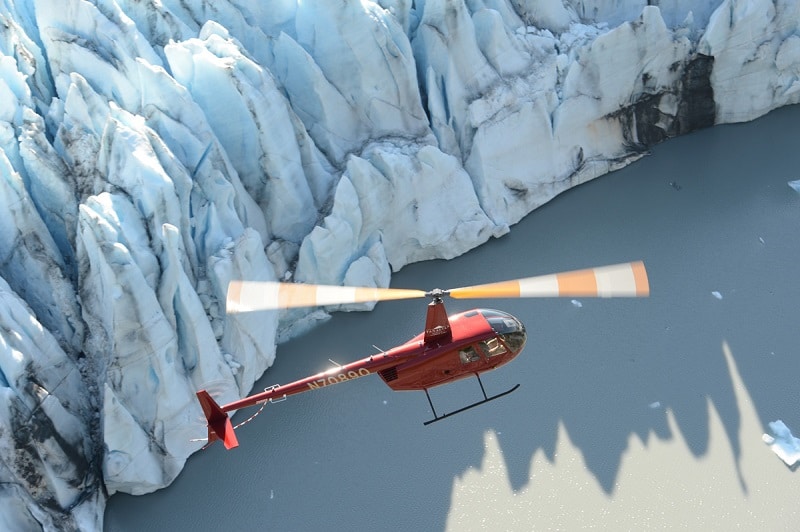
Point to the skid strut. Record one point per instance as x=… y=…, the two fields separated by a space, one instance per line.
x=485 y=400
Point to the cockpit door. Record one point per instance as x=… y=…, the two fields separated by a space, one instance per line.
x=469 y=355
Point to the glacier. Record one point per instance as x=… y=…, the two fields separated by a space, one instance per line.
x=153 y=150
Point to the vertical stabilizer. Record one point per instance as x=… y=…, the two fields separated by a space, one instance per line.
x=219 y=424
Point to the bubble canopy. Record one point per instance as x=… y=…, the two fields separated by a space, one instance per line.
x=509 y=328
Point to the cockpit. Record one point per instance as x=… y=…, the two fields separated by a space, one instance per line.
x=509 y=328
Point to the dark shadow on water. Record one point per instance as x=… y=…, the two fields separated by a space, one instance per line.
x=717 y=226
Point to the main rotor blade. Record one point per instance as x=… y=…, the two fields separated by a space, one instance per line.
x=619 y=280
x=245 y=296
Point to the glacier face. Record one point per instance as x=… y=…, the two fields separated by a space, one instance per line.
x=153 y=150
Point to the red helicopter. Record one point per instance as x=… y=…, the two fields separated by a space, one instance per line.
x=451 y=347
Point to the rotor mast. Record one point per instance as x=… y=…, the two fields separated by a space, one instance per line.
x=437 y=324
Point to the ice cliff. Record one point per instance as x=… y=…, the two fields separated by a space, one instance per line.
x=152 y=150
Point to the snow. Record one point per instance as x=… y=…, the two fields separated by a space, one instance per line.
x=151 y=151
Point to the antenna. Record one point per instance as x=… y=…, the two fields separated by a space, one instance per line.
x=377 y=349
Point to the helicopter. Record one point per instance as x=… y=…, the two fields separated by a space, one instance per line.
x=450 y=348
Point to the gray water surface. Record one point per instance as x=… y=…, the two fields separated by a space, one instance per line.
x=632 y=414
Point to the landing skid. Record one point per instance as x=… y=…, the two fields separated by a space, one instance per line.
x=485 y=400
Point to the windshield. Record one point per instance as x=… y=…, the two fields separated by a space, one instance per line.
x=509 y=328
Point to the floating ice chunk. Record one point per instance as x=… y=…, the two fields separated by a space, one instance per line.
x=577 y=303
x=655 y=404
x=716 y=294
x=786 y=446
x=795 y=185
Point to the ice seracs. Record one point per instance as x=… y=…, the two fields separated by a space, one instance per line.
x=756 y=57
x=279 y=165
x=46 y=413
x=151 y=151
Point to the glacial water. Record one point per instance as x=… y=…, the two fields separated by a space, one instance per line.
x=632 y=414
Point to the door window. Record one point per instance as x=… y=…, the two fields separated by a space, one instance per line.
x=468 y=354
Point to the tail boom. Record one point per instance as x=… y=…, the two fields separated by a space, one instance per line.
x=219 y=424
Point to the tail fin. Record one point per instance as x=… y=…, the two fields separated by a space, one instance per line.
x=219 y=424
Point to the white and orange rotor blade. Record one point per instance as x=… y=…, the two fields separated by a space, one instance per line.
x=247 y=296
x=619 y=280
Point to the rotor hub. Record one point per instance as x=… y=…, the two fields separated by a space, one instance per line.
x=437 y=293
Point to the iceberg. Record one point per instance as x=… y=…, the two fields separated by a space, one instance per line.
x=783 y=443
x=153 y=150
